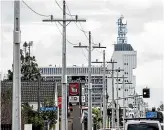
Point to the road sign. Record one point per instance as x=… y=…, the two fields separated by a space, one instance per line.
x=48 y=108
x=151 y=114
x=74 y=99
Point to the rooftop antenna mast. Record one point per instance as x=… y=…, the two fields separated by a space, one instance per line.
x=122 y=31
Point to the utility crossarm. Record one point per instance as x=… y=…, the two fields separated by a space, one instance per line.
x=115 y=69
x=62 y=20
x=118 y=77
x=129 y=97
x=124 y=83
x=99 y=46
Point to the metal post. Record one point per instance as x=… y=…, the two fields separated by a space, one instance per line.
x=39 y=94
x=104 y=92
x=101 y=110
x=89 y=86
x=118 y=121
x=113 y=104
x=56 y=103
x=123 y=102
x=64 y=78
x=16 y=105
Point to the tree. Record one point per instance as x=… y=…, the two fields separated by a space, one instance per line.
x=6 y=105
x=97 y=119
x=29 y=66
x=161 y=107
x=30 y=116
x=51 y=116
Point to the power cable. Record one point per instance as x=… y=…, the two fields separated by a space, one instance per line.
x=34 y=10
x=62 y=34
x=81 y=29
x=84 y=54
x=62 y=8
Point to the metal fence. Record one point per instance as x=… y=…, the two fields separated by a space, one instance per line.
x=30 y=90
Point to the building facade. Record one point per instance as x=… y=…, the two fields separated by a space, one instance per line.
x=126 y=58
x=78 y=73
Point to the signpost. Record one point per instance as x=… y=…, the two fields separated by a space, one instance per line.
x=48 y=108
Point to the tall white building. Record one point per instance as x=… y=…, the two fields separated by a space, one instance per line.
x=126 y=58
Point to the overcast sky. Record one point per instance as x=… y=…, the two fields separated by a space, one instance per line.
x=145 y=34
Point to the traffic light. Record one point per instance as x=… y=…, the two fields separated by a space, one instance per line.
x=121 y=116
x=109 y=112
x=146 y=93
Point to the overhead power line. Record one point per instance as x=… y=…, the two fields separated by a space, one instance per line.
x=34 y=10
x=81 y=29
x=62 y=8
x=62 y=34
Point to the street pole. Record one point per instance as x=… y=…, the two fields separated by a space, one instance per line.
x=123 y=85
x=16 y=105
x=64 y=79
x=113 y=103
x=39 y=82
x=89 y=86
x=104 y=92
x=89 y=80
x=118 y=121
x=64 y=73
x=56 y=103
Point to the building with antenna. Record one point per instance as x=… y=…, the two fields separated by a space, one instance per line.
x=126 y=58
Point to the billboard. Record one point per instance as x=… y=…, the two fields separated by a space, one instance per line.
x=74 y=89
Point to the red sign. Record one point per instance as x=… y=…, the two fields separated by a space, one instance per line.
x=74 y=89
x=59 y=102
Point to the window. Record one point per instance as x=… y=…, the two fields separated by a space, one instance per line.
x=126 y=72
x=143 y=126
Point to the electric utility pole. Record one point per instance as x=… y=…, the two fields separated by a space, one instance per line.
x=117 y=110
x=64 y=73
x=16 y=105
x=124 y=109
x=104 y=90
x=89 y=80
x=113 y=102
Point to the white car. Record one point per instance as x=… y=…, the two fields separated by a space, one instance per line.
x=143 y=125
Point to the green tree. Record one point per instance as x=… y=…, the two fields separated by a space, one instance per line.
x=29 y=66
x=51 y=116
x=97 y=119
x=31 y=117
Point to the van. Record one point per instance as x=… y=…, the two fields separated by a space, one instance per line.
x=143 y=125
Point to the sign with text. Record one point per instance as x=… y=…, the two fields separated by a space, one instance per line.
x=151 y=114
x=74 y=89
x=48 y=108
x=74 y=99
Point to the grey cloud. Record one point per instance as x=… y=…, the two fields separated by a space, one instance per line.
x=136 y=17
x=149 y=57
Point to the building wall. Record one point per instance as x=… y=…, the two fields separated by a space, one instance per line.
x=55 y=73
x=127 y=61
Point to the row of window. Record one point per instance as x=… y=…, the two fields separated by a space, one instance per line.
x=125 y=63
x=53 y=71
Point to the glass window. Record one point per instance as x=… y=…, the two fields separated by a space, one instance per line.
x=143 y=126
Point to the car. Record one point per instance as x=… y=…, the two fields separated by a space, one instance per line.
x=143 y=125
